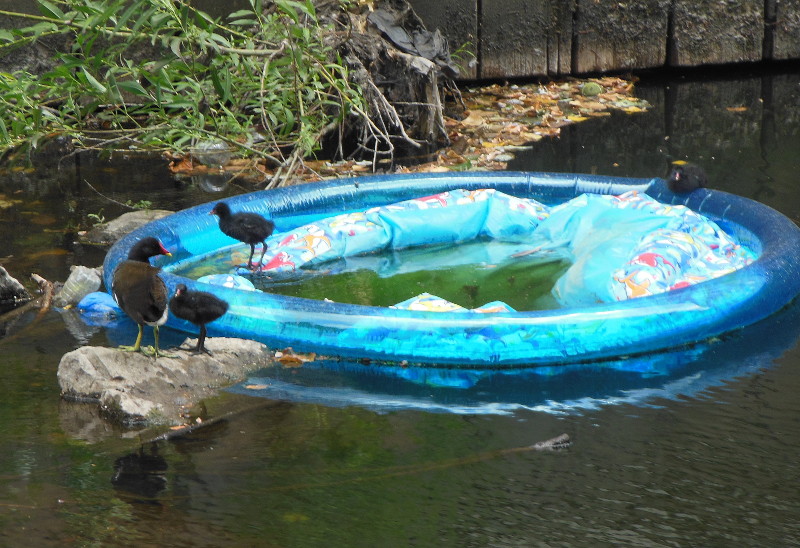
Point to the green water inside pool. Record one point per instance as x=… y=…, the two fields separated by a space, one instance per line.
x=470 y=275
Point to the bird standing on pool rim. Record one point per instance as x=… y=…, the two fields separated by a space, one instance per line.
x=140 y=292
x=250 y=228
x=685 y=177
x=198 y=307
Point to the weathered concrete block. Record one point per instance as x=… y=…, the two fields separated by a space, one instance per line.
x=524 y=38
x=786 y=30
x=619 y=35
x=458 y=22
x=713 y=32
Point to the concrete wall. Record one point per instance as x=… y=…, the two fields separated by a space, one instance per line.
x=521 y=38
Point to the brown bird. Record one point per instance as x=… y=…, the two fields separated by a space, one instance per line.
x=685 y=177
x=250 y=228
x=198 y=307
x=140 y=292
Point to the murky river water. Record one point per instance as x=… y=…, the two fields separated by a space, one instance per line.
x=713 y=461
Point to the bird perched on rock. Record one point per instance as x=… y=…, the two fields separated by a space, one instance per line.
x=250 y=228
x=198 y=307
x=139 y=290
x=685 y=177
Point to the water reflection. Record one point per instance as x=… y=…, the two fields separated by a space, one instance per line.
x=140 y=477
x=637 y=380
x=744 y=132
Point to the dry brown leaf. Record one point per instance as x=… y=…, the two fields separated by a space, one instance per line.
x=478 y=117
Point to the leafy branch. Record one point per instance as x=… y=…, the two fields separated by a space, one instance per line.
x=161 y=74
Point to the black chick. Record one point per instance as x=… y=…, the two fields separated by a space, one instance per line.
x=198 y=307
x=139 y=290
x=685 y=178
x=250 y=228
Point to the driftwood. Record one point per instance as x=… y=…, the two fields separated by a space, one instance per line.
x=202 y=424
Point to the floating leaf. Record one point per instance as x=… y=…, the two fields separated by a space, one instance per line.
x=290 y=358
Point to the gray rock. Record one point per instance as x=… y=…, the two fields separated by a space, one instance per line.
x=11 y=291
x=138 y=390
x=110 y=232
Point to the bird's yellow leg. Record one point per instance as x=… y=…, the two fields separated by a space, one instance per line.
x=137 y=346
x=155 y=350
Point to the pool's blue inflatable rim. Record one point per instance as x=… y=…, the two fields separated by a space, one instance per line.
x=515 y=339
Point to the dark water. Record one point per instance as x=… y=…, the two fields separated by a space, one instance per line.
x=710 y=462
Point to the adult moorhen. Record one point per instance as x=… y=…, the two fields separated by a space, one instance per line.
x=685 y=177
x=139 y=290
x=250 y=228
x=198 y=307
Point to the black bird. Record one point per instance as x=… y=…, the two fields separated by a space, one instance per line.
x=250 y=228
x=685 y=177
x=139 y=290
x=198 y=307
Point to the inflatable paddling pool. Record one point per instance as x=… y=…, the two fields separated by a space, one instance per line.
x=758 y=246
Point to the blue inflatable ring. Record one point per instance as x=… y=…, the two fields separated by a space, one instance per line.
x=505 y=339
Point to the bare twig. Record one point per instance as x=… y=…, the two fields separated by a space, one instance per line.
x=106 y=197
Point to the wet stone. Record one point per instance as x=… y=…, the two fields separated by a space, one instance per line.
x=136 y=390
x=110 y=232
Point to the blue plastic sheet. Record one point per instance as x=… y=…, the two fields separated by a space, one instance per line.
x=577 y=333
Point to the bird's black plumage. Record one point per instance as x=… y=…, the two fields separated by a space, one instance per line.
x=250 y=228
x=139 y=290
x=685 y=178
x=198 y=307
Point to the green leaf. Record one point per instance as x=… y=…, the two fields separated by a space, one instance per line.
x=175 y=45
x=204 y=20
x=94 y=82
x=126 y=15
x=50 y=10
x=241 y=13
x=288 y=8
x=220 y=40
x=133 y=87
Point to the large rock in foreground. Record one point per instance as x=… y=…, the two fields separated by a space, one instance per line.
x=136 y=390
